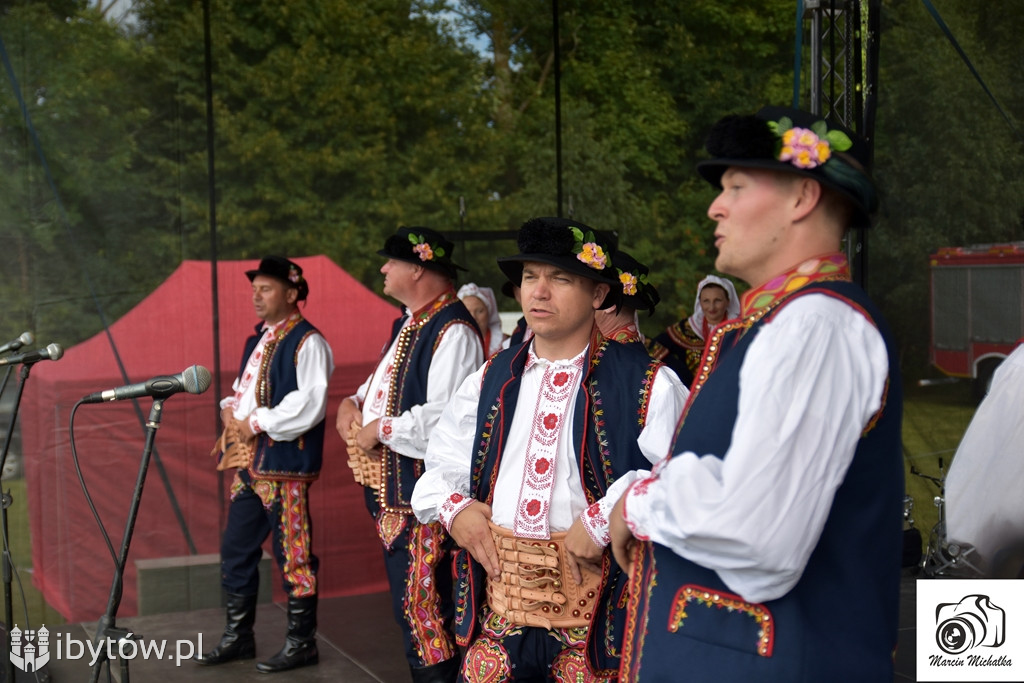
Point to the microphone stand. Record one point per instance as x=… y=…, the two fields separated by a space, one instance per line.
x=7 y=500
x=107 y=632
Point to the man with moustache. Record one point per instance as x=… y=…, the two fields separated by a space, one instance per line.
x=273 y=439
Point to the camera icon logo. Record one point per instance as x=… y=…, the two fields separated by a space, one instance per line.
x=972 y=622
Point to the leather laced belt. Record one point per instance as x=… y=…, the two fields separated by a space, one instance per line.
x=536 y=587
x=365 y=465
x=232 y=450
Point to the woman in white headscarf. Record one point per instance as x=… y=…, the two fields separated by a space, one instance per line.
x=681 y=345
x=484 y=308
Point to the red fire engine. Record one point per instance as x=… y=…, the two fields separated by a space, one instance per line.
x=977 y=311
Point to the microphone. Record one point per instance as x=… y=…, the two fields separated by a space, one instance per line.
x=194 y=380
x=25 y=338
x=51 y=352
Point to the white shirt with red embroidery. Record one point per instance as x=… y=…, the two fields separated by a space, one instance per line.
x=810 y=382
x=458 y=353
x=299 y=410
x=538 y=489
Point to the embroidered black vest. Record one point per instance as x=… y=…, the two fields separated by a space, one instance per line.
x=416 y=345
x=609 y=413
x=840 y=621
x=301 y=458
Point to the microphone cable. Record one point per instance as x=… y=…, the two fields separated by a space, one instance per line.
x=85 y=488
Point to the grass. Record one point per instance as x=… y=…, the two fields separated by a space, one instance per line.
x=934 y=421
x=25 y=597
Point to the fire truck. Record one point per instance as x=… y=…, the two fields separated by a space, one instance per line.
x=977 y=309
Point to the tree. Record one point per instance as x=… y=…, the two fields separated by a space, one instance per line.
x=76 y=222
x=943 y=181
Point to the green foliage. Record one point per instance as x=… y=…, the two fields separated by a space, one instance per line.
x=68 y=222
x=337 y=121
x=949 y=168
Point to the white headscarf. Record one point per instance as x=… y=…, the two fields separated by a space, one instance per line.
x=732 y=310
x=486 y=294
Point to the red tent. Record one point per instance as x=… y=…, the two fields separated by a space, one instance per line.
x=168 y=331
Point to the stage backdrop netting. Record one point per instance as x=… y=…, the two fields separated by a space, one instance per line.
x=168 y=331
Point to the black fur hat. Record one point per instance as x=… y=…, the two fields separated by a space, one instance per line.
x=794 y=141
x=570 y=245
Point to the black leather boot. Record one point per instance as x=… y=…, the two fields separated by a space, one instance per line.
x=445 y=672
x=238 y=641
x=300 y=643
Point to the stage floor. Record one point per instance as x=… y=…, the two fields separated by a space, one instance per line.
x=359 y=642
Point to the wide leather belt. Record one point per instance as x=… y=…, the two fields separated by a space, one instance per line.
x=365 y=465
x=536 y=587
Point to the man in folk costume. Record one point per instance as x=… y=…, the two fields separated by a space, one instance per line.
x=387 y=424
x=273 y=440
x=528 y=459
x=768 y=546
x=620 y=322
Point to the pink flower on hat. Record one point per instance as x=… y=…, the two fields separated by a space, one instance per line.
x=424 y=251
x=808 y=147
x=588 y=250
x=804 y=149
x=422 y=248
x=593 y=255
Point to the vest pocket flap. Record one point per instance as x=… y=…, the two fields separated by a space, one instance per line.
x=722 y=619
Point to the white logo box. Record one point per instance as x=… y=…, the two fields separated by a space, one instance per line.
x=970 y=630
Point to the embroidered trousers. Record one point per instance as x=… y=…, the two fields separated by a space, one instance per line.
x=419 y=568
x=259 y=509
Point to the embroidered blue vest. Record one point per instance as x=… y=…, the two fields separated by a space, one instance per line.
x=416 y=345
x=839 y=623
x=519 y=333
x=609 y=413
x=298 y=459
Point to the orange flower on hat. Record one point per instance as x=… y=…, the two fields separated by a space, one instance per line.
x=628 y=281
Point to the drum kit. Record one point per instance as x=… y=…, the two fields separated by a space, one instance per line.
x=941 y=558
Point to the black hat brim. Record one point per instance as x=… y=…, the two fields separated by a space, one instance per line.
x=450 y=271
x=712 y=171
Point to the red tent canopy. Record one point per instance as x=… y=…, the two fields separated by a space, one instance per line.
x=168 y=331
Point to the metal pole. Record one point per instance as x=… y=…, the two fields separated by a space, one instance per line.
x=558 y=103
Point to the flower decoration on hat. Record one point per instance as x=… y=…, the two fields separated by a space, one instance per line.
x=632 y=283
x=294 y=276
x=423 y=249
x=589 y=251
x=628 y=281
x=808 y=147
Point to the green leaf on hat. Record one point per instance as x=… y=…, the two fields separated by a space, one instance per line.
x=839 y=140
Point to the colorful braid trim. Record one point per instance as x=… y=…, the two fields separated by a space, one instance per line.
x=706 y=597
